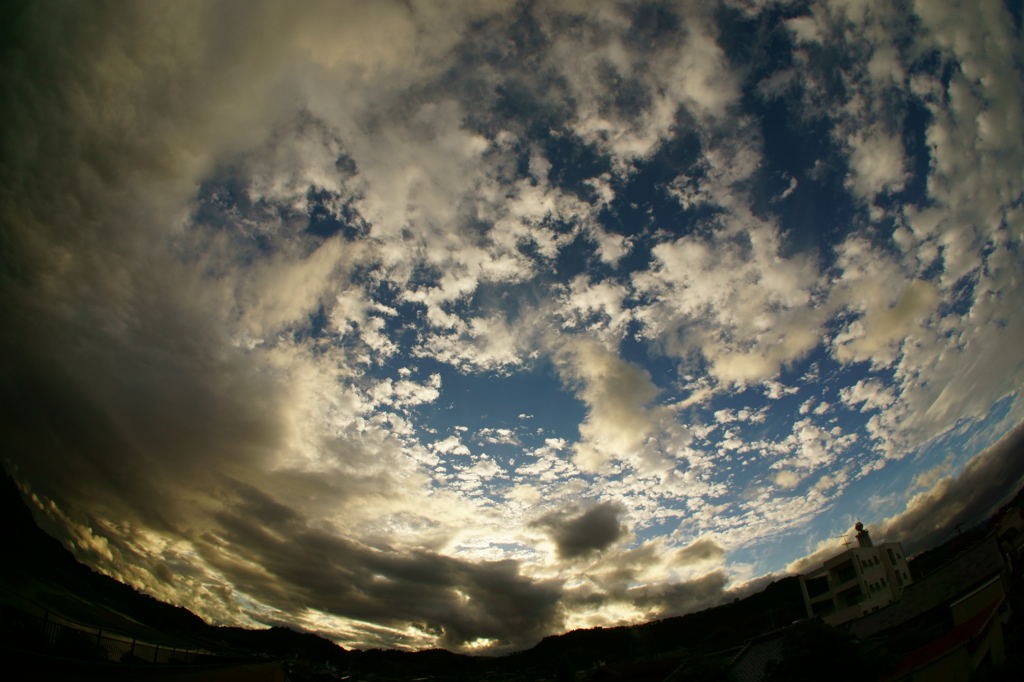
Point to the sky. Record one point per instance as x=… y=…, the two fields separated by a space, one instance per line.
x=460 y=323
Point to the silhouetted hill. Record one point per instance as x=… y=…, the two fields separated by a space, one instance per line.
x=927 y=561
x=35 y=555
x=283 y=643
x=708 y=631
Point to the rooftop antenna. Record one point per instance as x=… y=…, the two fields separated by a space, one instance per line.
x=846 y=540
x=863 y=536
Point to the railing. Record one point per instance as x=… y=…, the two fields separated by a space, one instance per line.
x=56 y=636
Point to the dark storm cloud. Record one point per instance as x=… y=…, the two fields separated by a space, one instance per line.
x=596 y=529
x=671 y=599
x=704 y=549
x=987 y=481
x=655 y=600
x=301 y=567
x=98 y=421
x=176 y=455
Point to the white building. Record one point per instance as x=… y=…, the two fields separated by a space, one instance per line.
x=857 y=582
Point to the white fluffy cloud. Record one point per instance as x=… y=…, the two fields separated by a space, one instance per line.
x=746 y=310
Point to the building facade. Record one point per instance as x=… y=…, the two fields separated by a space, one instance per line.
x=856 y=582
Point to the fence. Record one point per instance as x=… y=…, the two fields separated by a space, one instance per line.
x=53 y=635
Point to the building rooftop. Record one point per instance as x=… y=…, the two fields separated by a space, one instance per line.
x=941 y=586
x=943 y=645
x=748 y=666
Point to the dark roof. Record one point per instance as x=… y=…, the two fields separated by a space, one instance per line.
x=941 y=586
x=975 y=627
x=748 y=666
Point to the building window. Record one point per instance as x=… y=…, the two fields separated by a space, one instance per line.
x=852 y=596
x=823 y=608
x=816 y=586
x=892 y=557
x=877 y=562
x=845 y=572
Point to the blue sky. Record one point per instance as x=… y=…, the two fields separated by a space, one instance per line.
x=462 y=324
